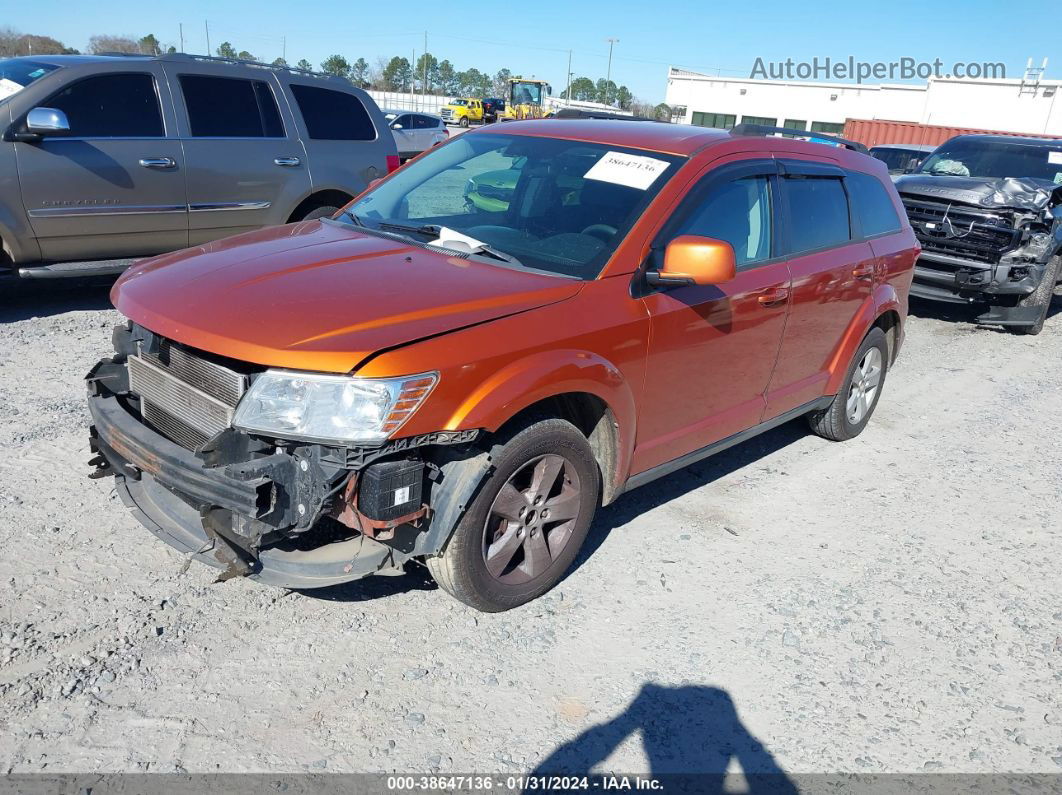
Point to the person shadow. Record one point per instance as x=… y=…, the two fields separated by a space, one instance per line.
x=691 y=735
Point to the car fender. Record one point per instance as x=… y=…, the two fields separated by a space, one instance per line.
x=883 y=298
x=546 y=374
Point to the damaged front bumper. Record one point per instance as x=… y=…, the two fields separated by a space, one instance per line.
x=181 y=501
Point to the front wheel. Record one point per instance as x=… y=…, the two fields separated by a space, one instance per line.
x=1040 y=298
x=463 y=122
x=326 y=211
x=525 y=526
x=848 y=414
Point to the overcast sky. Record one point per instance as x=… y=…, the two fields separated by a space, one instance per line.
x=533 y=38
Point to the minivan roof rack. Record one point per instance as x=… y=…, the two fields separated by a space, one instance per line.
x=582 y=113
x=764 y=130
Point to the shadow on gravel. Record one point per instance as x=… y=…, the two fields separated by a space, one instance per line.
x=367 y=589
x=652 y=495
x=692 y=732
x=22 y=299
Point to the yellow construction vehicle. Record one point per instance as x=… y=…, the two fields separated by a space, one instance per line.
x=526 y=99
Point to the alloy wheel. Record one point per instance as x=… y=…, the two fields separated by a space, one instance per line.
x=531 y=520
x=866 y=379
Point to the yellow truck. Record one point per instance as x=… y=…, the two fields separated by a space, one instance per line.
x=463 y=111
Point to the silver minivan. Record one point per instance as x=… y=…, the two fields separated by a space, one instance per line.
x=104 y=158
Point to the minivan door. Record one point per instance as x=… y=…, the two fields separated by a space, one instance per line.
x=114 y=186
x=834 y=272
x=246 y=163
x=712 y=349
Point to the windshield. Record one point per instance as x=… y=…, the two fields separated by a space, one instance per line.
x=17 y=73
x=458 y=102
x=527 y=93
x=996 y=159
x=543 y=203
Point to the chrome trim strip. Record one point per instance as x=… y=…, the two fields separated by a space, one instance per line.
x=204 y=207
x=112 y=209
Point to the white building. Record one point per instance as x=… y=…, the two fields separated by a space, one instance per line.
x=1006 y=105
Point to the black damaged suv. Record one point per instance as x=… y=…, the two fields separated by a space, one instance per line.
x=987 y=210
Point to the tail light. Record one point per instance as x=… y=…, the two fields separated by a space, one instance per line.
x=392 y=163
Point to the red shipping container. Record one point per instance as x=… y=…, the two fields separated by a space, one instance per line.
x=873 y=132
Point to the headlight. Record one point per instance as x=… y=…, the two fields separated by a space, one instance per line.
x=330 y=408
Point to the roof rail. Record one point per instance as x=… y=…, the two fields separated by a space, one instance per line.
x=583 y=113
x=184 y=56
x=764 y=130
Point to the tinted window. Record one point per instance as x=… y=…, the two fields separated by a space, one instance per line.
x=871 y=204
x=818 y=213
x=111 y=106
x=721 y=121
x=222 y=107
x=738 y=212
x=406 y=121
x=424 y=122
x=766 y=121
x=827 y=127
x=333 y=115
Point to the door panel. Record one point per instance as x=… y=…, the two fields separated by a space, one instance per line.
x=406 y=138
x=829 y=287
x=712 y=349
x=116 y=186
x=246 y=164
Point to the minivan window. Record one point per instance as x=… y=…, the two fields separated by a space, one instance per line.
x=226 y=107
x=818 y=213
x=111 y=106
x=738 y=212
x=333 y=115
x=871 y=205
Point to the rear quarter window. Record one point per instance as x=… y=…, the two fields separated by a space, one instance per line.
x=333 y=115
x=871 y=205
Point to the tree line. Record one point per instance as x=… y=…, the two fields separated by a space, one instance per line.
x=427 y=75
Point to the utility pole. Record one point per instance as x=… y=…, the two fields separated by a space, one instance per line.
x=424 y=82
x=284 y=49
x=608 y=74
x=206 y=26
x=180 y=27
x=413 y=73
x=568 y=92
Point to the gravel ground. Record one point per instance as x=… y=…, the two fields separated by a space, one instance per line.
x=888 y=604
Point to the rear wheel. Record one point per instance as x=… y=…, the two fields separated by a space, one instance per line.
x=1040 y=298
x=464 y=121
x=326 y=211
x=526 y=525
x=855 y=402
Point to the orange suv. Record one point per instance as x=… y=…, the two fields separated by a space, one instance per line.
x=466 y=383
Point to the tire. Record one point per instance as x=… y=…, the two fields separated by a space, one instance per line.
x=531 y=551
x=326 y=211
x=1040 y=297
x=836 y=422
x=463 y=121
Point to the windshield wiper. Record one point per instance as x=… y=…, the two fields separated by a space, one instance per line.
x=490 y=251
x=427 y=230
x=357 y=221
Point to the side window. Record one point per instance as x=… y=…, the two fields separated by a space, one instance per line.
x=818 y=213
x=738 y=212
x=871 y=204
x=423 y=122
x=224 y=107
x=333 y=115
x=406 y=122
x=111 y=106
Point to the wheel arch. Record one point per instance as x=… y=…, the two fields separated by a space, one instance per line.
x=880 y=310
x=319 y=198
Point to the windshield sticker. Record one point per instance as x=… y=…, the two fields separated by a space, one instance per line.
x=1054 y=158
x=633 y=171
x=8 y=87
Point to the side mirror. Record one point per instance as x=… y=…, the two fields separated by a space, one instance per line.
x=396 y=126
x=47 y=121
x=549 y=90
x=691 y=259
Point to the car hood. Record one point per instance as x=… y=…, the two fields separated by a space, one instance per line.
x=1026 y=193
x=321 y=295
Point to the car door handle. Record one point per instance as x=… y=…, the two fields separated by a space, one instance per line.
x=864 y=272
x=287 y=161
x=774 y=295
x=158 y=162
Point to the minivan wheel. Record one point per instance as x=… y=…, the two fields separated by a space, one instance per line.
x=524 y=528
x=852 y=406
x=327 y=211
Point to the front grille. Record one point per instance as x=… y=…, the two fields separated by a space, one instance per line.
x=961 y=231
x=184 y=396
